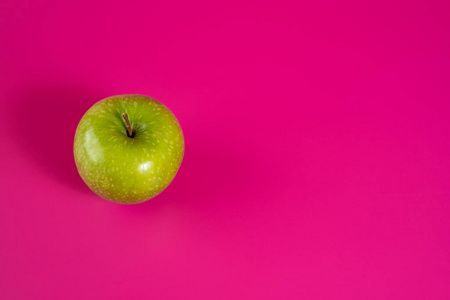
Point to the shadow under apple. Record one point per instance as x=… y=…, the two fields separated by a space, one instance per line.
x=45 y=120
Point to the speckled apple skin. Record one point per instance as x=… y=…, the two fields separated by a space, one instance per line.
x=123 y=169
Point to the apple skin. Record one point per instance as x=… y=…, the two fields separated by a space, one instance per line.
x=125 y=169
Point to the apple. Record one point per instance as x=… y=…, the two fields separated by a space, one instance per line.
x=128 y=148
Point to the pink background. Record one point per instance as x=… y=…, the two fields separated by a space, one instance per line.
x=317 y=158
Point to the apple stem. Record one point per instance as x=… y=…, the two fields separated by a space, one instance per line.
x=129 y=130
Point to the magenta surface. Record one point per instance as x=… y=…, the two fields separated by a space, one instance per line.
x=317 y=160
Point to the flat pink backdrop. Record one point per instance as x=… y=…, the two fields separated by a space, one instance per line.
x=317 y=158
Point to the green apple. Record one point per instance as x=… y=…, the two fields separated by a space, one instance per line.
x=128 y=148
